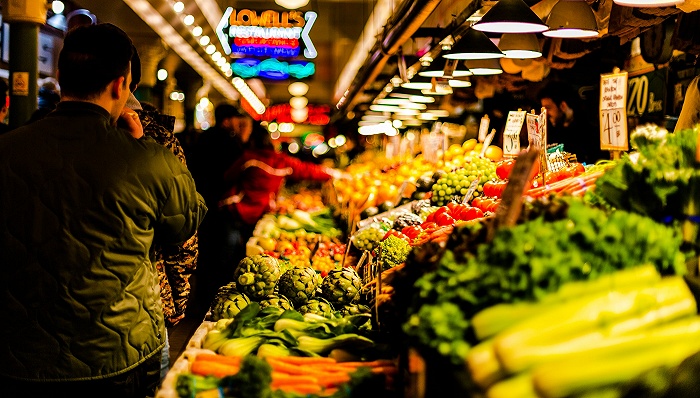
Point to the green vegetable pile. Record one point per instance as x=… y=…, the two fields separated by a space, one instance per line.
x=529 y=260
x=660 y=180
x=288 y=331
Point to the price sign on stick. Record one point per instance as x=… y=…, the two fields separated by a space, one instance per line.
x=537 y=135
x=613 y=113
x=511 y=134
x=487 y=142
x=484 y=128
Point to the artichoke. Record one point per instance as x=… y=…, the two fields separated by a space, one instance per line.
x=227 y=307
x=299 y=285
x=257 y=276
x=318 y=306
x=274 y=300
x=341 y=287
x=354 y=309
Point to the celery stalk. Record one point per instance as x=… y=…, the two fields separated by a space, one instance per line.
x=492 y=320
x=519 y=386
x=610 y=366
x=483 y=365
x=572 y=326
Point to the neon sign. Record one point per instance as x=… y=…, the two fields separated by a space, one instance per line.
x=282 y=113
x=271 y=33
x=272 y=69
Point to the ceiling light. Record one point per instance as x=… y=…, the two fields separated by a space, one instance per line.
x=392 y=101
x=298 y=89
x=211 y=49
x=375 y=119
x=197 y=31
x=178 y=7
x=520 y=45
x=483 y=67
x=419 y=83
x=427 y=116
x=384 y=108
x=421 y=99
x=474 y=45
x=57 y=7
x=440 y=89
x=204 y=40
x=249 y=95
x=300 y=115
x=216 y=56
x=397 y=124
x=459 y=83
x=188 y=20
x=510 y=16
x=411 y=105
x=648 y=3
x=292 y=4
x=298 y=102
x=412 y=123
x=437 y=69
x=162 y=74
x=439 y=112
x=571 y=19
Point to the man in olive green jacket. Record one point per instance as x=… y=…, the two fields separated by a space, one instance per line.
x=81 y=204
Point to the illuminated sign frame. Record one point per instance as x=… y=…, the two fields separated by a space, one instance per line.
x=271 y=33
x=282 y=113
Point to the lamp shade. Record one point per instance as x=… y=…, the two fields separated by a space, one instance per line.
x=520 y=45
x=419 y=83
x=571 y=19
x=648 y=3
x=483 y=67
x=474 y=45
x=437 y=69
x=510 y=16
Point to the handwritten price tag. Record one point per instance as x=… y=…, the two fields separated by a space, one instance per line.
x=511 y=134
x=484 y=128
x=613 y=114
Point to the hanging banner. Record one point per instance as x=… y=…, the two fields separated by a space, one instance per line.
x=511 y=133
x=613 y=112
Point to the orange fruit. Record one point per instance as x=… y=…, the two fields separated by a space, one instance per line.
x=477 y=147
x=494 y=153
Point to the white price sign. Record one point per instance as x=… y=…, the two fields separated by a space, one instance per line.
x=613 y=115
x=537 y=130
x=484 y=128
x=511 y=133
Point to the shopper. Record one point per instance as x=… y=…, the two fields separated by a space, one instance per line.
x=255 y=180
x=81 y=205
x=217 y=148
x=568 y=124
x=4 y=106
x=49 y=96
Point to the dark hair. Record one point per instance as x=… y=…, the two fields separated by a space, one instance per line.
x=135 y=70
x=226 y=111
x=3 y=93
x=558 y=92
x=260 y=138
x=92 y=57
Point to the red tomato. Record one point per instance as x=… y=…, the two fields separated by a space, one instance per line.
x=486 y=204
x=412 y=231
x=430 y=217
x=504 y=167
x=444 y=219
x=476 y=202
x=473 y=213
x=459 y=211
x=494 y=205
x=428 y=225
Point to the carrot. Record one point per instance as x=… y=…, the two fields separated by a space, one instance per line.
x=283 y=378
x=306 y=360
x=291 y=369
x=299 y=388
x=235 y=361
x=327 y=392
x=206 y=368
x=370 y=364
x=334 y=381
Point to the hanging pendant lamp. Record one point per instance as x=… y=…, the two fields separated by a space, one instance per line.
x=474 y=45
x=437 y=69
x=510 y=16
x=571 y=19
x=419 y=83
x=648 y=3
x=484 y=67
x=520 y=45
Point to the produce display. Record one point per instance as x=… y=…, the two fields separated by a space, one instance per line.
x=592 y=293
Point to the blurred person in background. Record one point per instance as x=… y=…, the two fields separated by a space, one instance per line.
x=4 y=106
x=254 y=181
x=49 y=96
x=215 y=151
x=82 y=205
x=567 y=124
x=174 y=263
